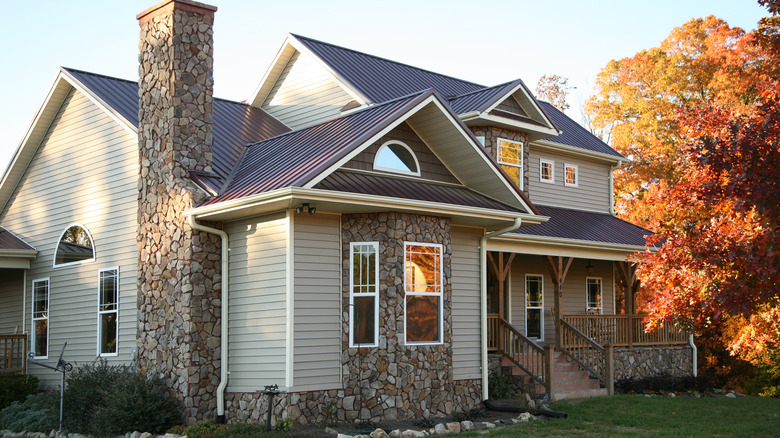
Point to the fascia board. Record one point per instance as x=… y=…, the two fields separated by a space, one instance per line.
x=547 y=132
x=547 y=245
x=340 y=80
x=558 y=147
x=18 y=253
x=99 y=102
x=289 y=196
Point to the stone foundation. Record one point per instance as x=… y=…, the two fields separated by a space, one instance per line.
x=639 y=362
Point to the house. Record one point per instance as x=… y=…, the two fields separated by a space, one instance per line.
x=362 y=233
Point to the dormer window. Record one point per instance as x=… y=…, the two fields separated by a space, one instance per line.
x=395 y=156
x=510 y=155
x=75 y=246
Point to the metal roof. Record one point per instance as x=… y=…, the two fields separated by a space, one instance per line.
x=294 y=158
x=480 y=100
x=380 y=79
x=573 y=134
x=235 y=124
x=8 y=240
x=585 y=225
x=398 y=187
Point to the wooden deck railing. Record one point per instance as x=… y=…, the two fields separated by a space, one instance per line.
x=536 y=361
x=626 y=330
x=13 y=350
x=592 y=357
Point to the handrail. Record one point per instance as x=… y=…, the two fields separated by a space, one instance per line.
x=522 y=351
x=626 y=330
x=13 y=350
x=588 y=354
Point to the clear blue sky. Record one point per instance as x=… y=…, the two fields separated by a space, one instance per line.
x=500 y=41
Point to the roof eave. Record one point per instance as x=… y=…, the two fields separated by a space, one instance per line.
x=483 y=118
x=549 y=245
x=585 y=153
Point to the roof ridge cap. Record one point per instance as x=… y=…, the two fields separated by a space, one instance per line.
x=386 y=59
x=483 y=89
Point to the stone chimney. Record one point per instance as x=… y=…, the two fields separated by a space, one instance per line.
x=178 y=268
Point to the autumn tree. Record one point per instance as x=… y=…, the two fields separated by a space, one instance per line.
x=554 y=89
x=637 y=101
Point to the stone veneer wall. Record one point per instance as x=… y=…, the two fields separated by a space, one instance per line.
x=178 y=268
x=492 y=134
x=642 y=362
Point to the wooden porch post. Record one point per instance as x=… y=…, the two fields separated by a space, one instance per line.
x=501 y=270
x=558 y=267
x=627 y=272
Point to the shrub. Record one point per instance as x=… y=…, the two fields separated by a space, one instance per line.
x=766 y=379
x=663 y=382
x=16 y=388
x=101 y=399
x=284 y=425
x=38 y=413
x=498 y=384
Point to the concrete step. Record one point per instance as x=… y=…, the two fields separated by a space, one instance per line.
x=576 y=385
x=582 y=393
x=570 y=376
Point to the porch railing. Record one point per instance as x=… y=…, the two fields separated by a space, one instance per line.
x=536 y=361
x=588 y=354
x=13 y=350
x=626 y=330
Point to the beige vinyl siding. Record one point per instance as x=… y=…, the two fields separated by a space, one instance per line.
x=591 y=193
x=317 y=302
x=257 y=321
x=11 y=300
x=465 y=303
x=85 y=171
x=304 y=94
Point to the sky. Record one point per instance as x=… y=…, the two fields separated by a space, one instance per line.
x=498 y=41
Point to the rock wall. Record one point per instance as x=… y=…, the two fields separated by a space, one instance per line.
x=642 y=362
x=178 y=268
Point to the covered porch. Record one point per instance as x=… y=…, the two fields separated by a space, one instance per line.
x=15 y=258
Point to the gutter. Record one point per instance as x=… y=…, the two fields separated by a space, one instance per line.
x=483 y=299
x=223 y=369
x=612 y=170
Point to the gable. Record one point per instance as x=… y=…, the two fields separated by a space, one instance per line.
x=430 y=166
x=510 y=105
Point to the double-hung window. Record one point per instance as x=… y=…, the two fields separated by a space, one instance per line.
x=510 y=156
x=534 y=306
x=108 y=311
x=594 y=295
x=40 y=318
x=423 y=304
x=364 y=294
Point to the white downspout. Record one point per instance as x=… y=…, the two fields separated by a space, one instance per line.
x=694 y=357
x=612 y=187
x=483 y=299
x=223 y=369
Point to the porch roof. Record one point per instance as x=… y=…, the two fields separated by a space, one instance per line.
x=9 y=241
x=15 y=253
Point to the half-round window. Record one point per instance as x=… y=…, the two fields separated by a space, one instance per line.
x=397 y=157
x=75 y=246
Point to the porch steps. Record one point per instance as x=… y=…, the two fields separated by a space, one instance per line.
x=570 y=381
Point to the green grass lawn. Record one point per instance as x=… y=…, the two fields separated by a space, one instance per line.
x=637 y=415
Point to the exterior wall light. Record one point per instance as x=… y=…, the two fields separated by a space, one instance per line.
x=306 y=207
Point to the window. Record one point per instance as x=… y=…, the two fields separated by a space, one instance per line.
x=546 y=171
x=571 y=178
x=534 y=306
x=423 y=286
x=75 y=246
x=40 y=319
x=364 y=294
x=108 y=311
x=396 y=157
x=510 y=155
x=593 y=290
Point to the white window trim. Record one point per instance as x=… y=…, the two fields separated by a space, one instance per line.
x=542 y=162
x=522 y=158
x=540 y=308
x=387 y=169
x=439 y=294
x=566 y=167
x=601 y=296
x=374 y=294
x=57 y=247
x=100 y=313
x=33 y=319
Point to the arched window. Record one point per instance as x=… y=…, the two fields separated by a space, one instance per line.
x=75 y=246
x=396 y=157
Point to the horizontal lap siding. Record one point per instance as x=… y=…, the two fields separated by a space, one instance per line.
x=11 y=300
x=85 y=171
x=305 y=94
x=317 y=292
x=465 y=303
x=591 y=193
x=257 y=323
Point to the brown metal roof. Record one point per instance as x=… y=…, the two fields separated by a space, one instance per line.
x=585 y=225
x=293 y=159
x=480 y=100
x=235 y=124
x=397 y=187
x=573 y=134
x=8 y=240
x=380 y=79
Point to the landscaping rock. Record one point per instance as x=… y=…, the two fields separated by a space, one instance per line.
x=409 y=433
x=453 y=427
x=395 y=433
x=489 y=425
x=466 y=426
x=731 y=395
x=525 y=416
x=341 y=435
x=379 y=433
x=440 y=429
